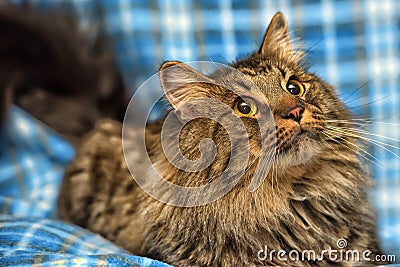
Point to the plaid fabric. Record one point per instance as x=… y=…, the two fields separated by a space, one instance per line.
x=354 y=45
x=33 y=241
x=32 y=162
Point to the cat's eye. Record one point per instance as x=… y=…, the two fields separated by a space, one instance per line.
x=245 y=108
x=295 y=87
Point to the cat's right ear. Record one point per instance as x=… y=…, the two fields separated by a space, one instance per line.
x=182 y=83
x=276 y=36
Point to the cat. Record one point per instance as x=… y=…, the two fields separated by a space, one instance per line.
x=49 y=69
x=314 y=195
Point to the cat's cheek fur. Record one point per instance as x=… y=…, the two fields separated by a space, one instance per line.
x=300 y=153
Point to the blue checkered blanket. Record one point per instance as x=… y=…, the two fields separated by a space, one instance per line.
x=354 y=45
x=32 y=240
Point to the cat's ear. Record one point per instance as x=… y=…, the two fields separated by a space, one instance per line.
x=182 y=83
x=276 y=36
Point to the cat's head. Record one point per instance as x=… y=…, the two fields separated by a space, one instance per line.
x=298 y=101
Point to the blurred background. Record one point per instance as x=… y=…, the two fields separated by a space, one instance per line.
x=352 y=44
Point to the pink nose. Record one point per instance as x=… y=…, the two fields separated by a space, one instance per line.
x=295 y=114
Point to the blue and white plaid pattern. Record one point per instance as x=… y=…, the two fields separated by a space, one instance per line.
x=32 y=163
x=354 y=45
x=33 y=241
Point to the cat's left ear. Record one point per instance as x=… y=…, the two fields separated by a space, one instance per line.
x=276 y=36
x=182 y=84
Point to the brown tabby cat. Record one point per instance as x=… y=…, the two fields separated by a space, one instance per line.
x=314 y=195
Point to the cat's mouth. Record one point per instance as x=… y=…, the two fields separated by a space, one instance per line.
x=299 y=149
x=299 y=146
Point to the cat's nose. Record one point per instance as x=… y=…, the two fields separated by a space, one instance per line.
x=294 y=113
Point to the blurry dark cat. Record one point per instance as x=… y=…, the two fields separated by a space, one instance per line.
x=50 y=70
x=314 y=195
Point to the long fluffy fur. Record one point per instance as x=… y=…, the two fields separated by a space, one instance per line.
x=315 y=194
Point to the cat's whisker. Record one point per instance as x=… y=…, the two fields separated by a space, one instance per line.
x=333 y=149
x=380 y=118
x=361 y=131
x=263 y=168
x=372 y=141
x=254 y=160
x=273 y=180
x=356 y=98
x=354 y=91
x=377 y=143
x=341 y=133
x=260 y=155
x=349 y=148
x=351 y=132
x=331 y=136
x=276 y=176
x=363 y=122
x=351 y=123
x=366 y=104
x=204 y=48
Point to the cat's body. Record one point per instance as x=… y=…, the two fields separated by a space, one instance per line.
x=315 y=194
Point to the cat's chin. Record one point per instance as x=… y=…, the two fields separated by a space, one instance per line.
x=301 y=149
